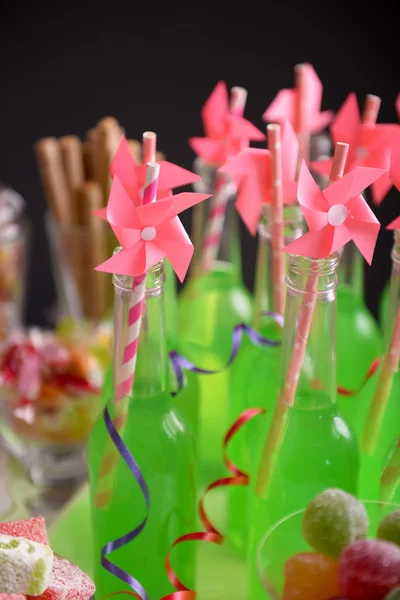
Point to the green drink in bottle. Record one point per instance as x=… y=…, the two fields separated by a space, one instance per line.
x=308 y=447
x=255 y=372
x=212 y=303
x=354 y=322
x=378 y=404
x=160 y=441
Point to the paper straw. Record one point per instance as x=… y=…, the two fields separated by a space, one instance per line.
x=390 y=477
x=371 y=110
x=125 y=372
x=287 y=397
x=222 y=192
x=278 y=240
x=260 y=286
x=301 y=73
x=376 y=413
x=149 y=147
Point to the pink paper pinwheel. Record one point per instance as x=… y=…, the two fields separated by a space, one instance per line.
x=369 y=143
x=395 y=177
x=286 y=106
x=336 y=214
x=225 y=128
x=251 y=170
x=132 y=176
x=148 y=233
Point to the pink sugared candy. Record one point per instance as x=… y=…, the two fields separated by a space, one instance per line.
x=12 y=597
x=32 y=529
x=369 y=569
x=67 y=582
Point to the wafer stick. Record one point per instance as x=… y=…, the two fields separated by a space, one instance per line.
x=109 y=138
x=93 y=151
x=48 y=155
x=136 y=149
x=95 y=283
x=72 y=158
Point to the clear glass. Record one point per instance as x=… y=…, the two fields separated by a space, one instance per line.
x=162 y=444
x=255 y=371
x=372 y=463
x=47 y=432
x=314 y=448
x=14 y=241
x=285 y=539
x=82 y=292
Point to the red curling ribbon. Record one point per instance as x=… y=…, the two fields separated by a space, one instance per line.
x=238 y=478
x=373 y=368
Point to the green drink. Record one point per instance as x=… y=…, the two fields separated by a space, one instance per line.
x=308 y=447
x=255 y=372
x=383 y=306
x=378 y=404
x=358 y=336
x=159 y=439
x=210 y=306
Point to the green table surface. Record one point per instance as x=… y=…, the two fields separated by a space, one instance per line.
x=221 y=574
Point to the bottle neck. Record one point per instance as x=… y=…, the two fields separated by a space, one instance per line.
x=351 y=270
x=151 y=368
x=293 y=228
x=308 y=357
x=394 y=292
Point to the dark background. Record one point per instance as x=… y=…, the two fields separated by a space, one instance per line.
x=65 y=65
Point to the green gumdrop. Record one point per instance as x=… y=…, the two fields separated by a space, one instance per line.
x=389 y=528
x=333 y=520
x=393 y=595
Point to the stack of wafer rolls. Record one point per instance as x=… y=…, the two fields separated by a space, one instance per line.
x=76 y=181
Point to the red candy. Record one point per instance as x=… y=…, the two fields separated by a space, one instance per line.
x=67 y=582
x=369 y=569
x=31 y=529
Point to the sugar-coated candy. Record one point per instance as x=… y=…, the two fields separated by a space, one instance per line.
x=393 y=595
x=32 y=529
x=333 y=520
x=310 y=576
x=67 y=582
x=12 y=597
x=25 y=566
x=369 y=569
x=389 y=528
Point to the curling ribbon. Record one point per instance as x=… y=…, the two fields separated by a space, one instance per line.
x=238 y=478
x=373 y=368
x=180 y=363
x=128 y=537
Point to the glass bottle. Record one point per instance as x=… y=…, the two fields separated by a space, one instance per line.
x=255 y=371
x=317 y=449
x=209 y=307
x=373 y=457
x=355 y=323
x=159 y=439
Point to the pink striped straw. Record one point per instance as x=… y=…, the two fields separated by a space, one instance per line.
x=125 y=373
x=149 y=147
x=220 y=198
x=277 y=238
x=371 y=110
x=286 y=397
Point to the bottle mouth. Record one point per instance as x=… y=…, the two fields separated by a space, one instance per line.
x=155 y=278
x=302 y=265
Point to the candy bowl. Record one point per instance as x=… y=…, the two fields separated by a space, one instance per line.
x=49 y=400
x=325 y=554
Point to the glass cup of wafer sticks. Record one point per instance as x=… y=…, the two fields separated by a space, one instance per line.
x=14 y=239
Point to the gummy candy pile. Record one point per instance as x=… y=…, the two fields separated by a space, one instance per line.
x=345 y=564
x=29 y=570
x=51 y=387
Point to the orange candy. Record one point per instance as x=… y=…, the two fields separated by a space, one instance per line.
x=310 y=576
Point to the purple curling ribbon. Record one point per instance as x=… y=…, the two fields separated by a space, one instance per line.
x=180 y=363
x=125 y=539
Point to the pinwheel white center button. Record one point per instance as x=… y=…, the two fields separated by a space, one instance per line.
x=337 y=215
x=148 y=234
